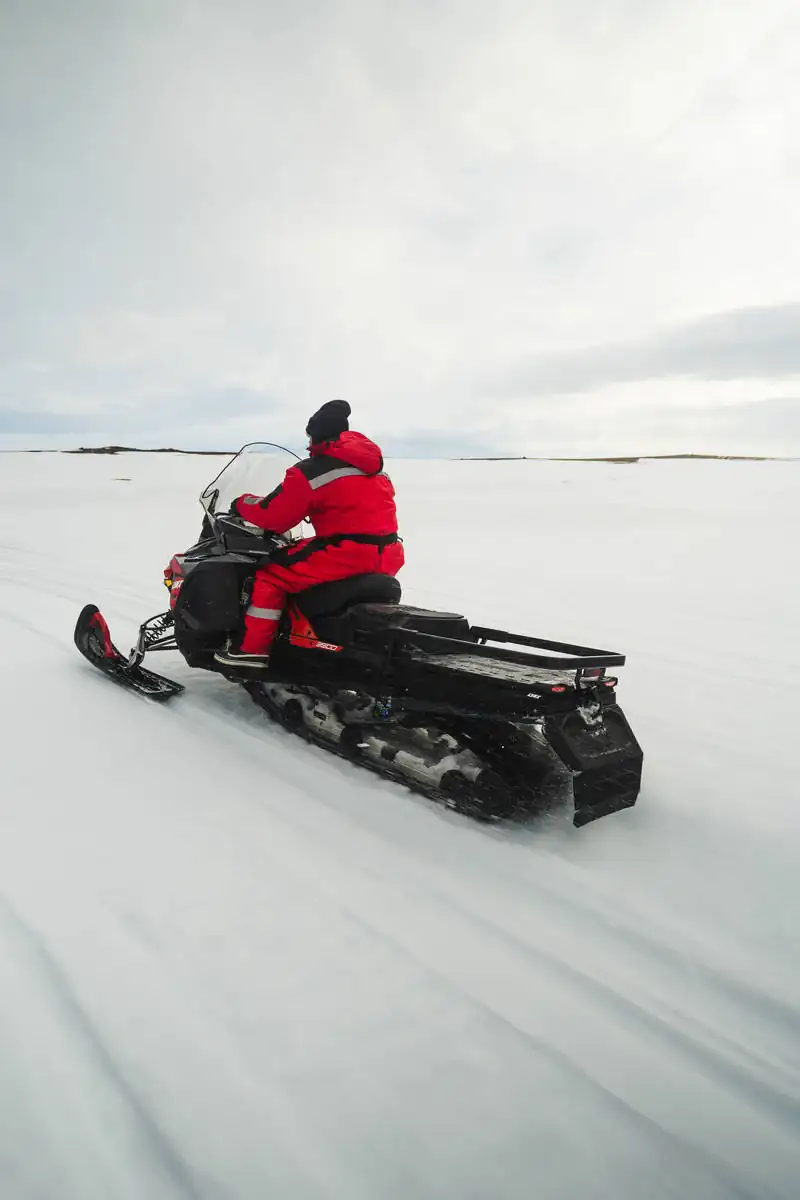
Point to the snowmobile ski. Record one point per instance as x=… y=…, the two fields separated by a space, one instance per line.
x=93 y=639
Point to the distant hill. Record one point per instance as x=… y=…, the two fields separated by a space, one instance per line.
x=138 y=450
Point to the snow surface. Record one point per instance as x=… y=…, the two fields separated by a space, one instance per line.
x=232 y=966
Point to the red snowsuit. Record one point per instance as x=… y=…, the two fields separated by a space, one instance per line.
x=343 y=489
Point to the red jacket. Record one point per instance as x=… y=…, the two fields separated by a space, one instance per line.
x=342 y=487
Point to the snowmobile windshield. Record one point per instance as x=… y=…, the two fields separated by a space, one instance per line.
x=258 y=468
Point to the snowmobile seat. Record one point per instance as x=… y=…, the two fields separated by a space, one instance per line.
x=326 y=599
x=374 y=618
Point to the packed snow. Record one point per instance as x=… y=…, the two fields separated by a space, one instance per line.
x=233 y=966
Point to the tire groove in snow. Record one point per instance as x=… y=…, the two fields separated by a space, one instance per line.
x=70 y=1013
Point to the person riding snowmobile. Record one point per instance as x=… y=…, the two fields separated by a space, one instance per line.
x=342 y=488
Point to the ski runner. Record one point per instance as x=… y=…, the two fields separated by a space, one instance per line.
x=349 y=499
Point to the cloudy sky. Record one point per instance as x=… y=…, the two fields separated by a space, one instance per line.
x=525 y=226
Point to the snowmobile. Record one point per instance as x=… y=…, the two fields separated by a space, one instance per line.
x=489 y=723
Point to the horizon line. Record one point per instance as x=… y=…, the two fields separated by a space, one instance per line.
x=606 y=458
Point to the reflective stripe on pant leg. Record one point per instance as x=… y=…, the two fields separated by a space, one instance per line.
x=262 y=617
x=259 y=632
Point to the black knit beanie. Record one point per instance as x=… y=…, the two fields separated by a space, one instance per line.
x=329 y=421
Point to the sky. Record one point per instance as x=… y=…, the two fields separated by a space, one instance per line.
x=526 y=227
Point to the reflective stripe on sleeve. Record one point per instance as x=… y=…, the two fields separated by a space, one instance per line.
x=332 y=476
x=264 y=614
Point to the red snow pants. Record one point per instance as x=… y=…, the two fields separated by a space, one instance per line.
x=313 y=566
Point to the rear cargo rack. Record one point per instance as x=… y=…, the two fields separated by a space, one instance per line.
x=564 y=657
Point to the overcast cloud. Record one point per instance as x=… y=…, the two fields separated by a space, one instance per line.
x=527 y=227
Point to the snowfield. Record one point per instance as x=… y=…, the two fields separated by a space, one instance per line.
x=234 y=967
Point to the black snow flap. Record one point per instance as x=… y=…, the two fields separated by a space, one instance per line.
x=603 y=791
x=604 y=754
